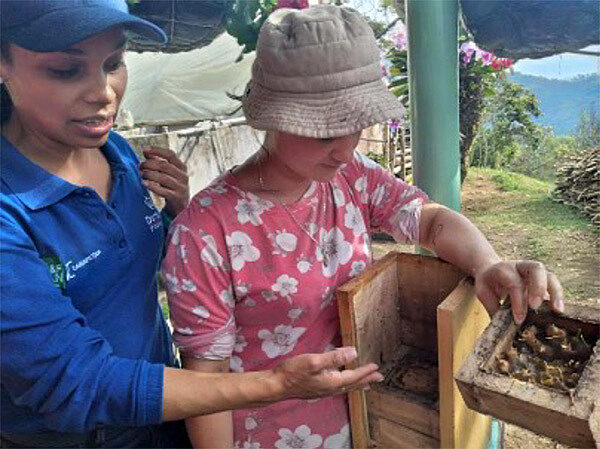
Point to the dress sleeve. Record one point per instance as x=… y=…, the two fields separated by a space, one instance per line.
x=53 y=363
x=199 y=288
x=394 y=207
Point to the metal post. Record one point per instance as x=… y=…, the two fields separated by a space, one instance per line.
x=433 y=74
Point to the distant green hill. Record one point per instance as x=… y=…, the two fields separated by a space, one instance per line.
x=562 y=101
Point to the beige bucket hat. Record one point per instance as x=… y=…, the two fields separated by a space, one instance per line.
x=317 y=73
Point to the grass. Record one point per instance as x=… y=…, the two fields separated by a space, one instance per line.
x=508 y=182
x=527 y=201
x=518 y=216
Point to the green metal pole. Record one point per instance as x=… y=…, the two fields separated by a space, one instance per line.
x=433 y=74
x=434 y=123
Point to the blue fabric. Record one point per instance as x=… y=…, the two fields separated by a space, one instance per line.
x=55 y=25
x=84 y=341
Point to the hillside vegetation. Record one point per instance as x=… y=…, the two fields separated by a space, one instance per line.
x=562 y=101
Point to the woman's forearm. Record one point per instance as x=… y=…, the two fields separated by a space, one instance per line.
x=455 y=239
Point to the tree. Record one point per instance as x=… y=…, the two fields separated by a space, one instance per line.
x=588 y=130
x=509 y=134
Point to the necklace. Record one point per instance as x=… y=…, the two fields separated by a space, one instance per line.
x=263 y=187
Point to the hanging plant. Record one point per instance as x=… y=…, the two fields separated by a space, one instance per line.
x=247 y=16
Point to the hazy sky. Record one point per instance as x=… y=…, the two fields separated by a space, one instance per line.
x=563 y=66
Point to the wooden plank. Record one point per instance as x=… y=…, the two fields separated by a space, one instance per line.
x=368 y=311
x=422 y=335
x=461 y=319
x=392 y=405
x=388 y=434
x=424 y=282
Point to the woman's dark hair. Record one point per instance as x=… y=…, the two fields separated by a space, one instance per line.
x=5 y=101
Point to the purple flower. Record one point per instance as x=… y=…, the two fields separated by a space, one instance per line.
x=486 y=57
x=294 y=4
x=399 y=36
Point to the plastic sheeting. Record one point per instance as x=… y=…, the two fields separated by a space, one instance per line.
x=186 y=87
x=188 y=24
x=532 y=28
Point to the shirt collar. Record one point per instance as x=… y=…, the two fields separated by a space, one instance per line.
x=36 y=187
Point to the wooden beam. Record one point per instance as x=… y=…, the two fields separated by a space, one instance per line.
x=460 y=320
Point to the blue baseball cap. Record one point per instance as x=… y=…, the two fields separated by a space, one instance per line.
x=56 y=25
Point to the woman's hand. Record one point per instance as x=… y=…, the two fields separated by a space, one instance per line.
x=164 y=174
x=315 y=375
x=528 y=283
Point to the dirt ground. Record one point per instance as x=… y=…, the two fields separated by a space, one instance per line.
x=570 y=252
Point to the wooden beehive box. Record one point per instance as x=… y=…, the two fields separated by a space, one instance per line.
x=418 y=318
x=570 y=417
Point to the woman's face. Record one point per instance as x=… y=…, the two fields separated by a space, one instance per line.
x=68 y=98
x=317 y=159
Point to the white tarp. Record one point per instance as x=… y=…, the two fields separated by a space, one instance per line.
x=185 y=87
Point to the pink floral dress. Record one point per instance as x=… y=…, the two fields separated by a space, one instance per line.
x=246 y=282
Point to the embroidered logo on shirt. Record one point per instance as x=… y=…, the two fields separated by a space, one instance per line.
x=57 y=271
x=153 y=220
x=71 y=268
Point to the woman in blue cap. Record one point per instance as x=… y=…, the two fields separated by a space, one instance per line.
x=86 y=359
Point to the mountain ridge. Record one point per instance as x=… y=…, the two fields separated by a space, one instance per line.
x=562 y=101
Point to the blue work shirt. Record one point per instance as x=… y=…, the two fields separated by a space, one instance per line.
x=84 y=341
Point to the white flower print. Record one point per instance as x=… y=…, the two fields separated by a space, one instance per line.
x=184 y=330
x=235 y=364
x=303 y=265
x=176 y=233
x=227 y=298
x=338 y=250
x=357 y=267
x=281 y=341
x=240 y=343
x=284 y=242
x=361 y=184
x=338 y=197
x=241 y=290
x=172 y=283
x=328 y=347
x=312 y=228
x=311 y=189
x=251 y=445
x=241 y=249
x=326 y=298
x=205 y=201
x=353 y=219
x=379 y=194
x=221 y=347
x=249 y=302
x=249 y=210
x=339 y=440
x=269 y=295
x=404 y=222
x=301 y=438
x=408 y=191
x=293 y=314
x=285 y=285
x=209 y=253
x=201 y=312
x=182 y=253
x=250 y=423
x=361 y=187
x=217 y=187
x=188 y=285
